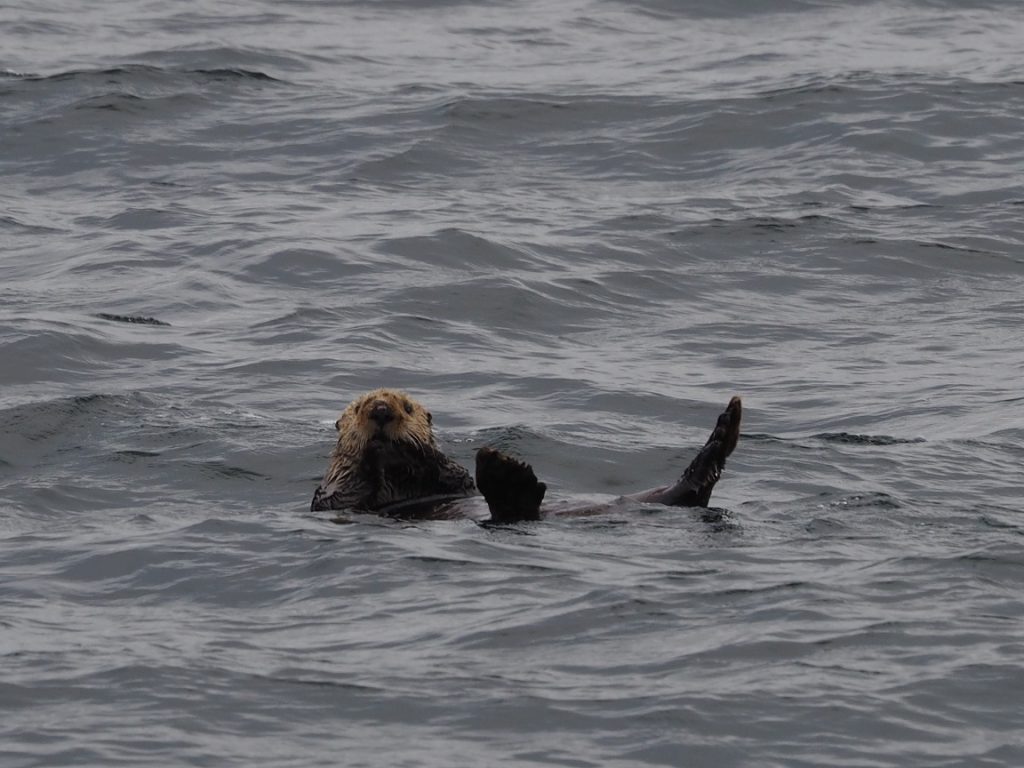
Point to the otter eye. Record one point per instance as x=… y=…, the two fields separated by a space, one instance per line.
x=408 y=407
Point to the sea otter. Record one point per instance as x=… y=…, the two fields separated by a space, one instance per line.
x=387 y=461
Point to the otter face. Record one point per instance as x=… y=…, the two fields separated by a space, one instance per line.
x=383 y=416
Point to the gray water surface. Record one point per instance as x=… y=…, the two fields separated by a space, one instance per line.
x=572 y=230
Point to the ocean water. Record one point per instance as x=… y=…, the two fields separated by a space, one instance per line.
x=572 y=230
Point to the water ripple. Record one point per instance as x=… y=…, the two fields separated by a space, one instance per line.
x=572 y=231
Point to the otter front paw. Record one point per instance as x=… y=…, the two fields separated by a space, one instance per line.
x=509 y=486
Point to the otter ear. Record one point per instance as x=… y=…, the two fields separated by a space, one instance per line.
x=430 y=419
x=337 y=425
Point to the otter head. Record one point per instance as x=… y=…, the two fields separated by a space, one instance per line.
x=384 y=441
x=382 y=417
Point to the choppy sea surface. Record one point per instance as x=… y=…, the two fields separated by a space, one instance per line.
x=572 y=230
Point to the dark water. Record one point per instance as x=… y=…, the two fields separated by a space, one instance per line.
x=572 y=230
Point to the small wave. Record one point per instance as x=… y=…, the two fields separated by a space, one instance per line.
x=453 y=247
x=806 y=83
x=227 y=61
x=114 y=102
x=302 y=266
x=231 y=73
x=33 y=428
x=127 y=71
x=766 y=589
x=778 y=224
x=78 y=405
x=476 y=109
x=949 y=247
x=220 y=469
x=301 y=318
x=11 y=223
x=850 y=438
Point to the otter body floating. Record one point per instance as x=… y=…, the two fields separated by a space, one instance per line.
x=387 y=461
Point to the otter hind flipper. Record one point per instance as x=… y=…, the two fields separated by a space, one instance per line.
x=698 y=480
x=509 y=487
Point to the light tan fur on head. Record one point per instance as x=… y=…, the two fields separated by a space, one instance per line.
x=408 y=422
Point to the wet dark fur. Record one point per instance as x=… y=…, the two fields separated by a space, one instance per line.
x=387 y=461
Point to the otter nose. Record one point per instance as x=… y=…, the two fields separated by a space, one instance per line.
x=380 y=412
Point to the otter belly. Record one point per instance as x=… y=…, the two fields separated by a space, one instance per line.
x=444 y=507
x=437 y=507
